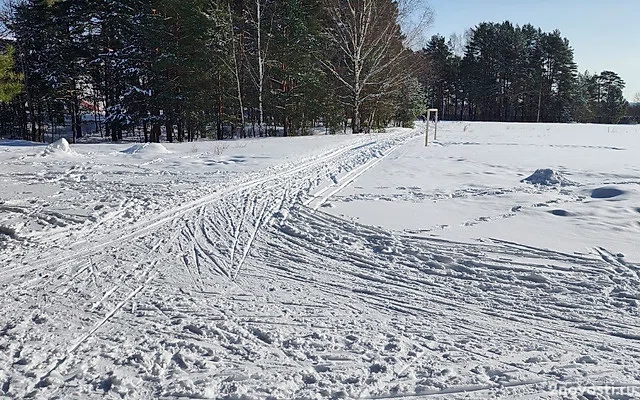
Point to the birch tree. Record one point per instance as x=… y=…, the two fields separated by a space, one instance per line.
x=232 y=64
x=256 y=14
x=371 y=39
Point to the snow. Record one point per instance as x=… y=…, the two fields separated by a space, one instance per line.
x=510 y=182
x=146 y=148
x=547 y=177
x=59 y=146
x=349 y=266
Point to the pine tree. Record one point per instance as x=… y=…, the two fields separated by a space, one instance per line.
x=512 y=73
x=437 y=55
x=612 y=102
x=409 y=103
x=30 y=30
x=119 y=61
x=297 y=84
x=585 y=104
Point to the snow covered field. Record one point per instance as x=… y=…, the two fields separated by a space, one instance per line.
x=362 y=266
x=468 y=186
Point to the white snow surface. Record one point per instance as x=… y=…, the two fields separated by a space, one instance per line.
x=547 y=177
x=59 y=146
x=146 y=148
x=350 y=266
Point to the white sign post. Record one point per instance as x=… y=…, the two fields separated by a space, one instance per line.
x=435 y=137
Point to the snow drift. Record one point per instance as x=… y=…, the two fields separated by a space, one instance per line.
x=548 y=177
x=147 y=148
x=60 y=146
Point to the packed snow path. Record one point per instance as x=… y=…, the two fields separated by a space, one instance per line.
x=245 y=288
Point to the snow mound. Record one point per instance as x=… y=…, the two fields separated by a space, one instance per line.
x=147 y=148
x=59 y=146
x=548 y=177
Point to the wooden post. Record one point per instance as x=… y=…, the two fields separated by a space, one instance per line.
x=435 y=132
x=426 y=136
x=429 y=111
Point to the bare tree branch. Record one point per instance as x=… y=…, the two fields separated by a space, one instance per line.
x=371 y=40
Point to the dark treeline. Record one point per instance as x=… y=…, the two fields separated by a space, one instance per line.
x=184 y=69
x=633 y=112
x=179 y=70
x=511 y=73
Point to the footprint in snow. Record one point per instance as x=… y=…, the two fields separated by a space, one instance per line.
x=561 y=213
x=587 y=360
x=606 y=193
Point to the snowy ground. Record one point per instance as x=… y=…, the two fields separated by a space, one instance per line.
x=468 y=186
x=360 y=266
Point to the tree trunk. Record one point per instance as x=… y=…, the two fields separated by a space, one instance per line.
x=96 y=118
x=236 y=71
x=40 y=123
x=169 y=128
x=74 y=121
x=145 y=130
x=180 y=131
x=286 y=127
x=156 y=128
x=252 y=117
x=355 y=124
x=219 y=125
x=219 y=129
x=260 y=68
x=539 y=102
x=79 y=121
x=32 y=118
x=27 y=92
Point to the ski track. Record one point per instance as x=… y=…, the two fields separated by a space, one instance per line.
x=142 y=228
x=253 y=290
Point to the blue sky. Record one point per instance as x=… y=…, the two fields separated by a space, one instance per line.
x=604 y=35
